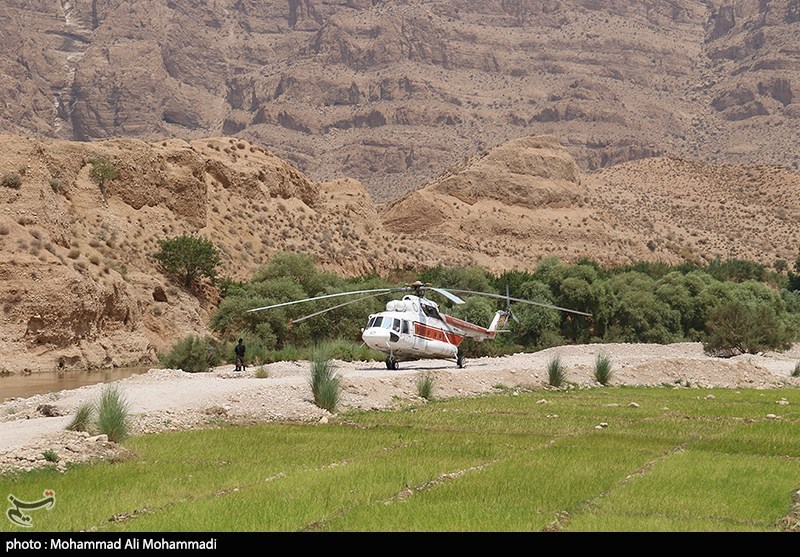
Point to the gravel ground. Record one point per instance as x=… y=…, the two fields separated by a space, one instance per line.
x=164 y=399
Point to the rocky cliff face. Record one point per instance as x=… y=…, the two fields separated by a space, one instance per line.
x=394 y=93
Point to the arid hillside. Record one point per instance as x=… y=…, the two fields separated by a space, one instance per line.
x=80 y=286
x=393 y=93
x=527 y=198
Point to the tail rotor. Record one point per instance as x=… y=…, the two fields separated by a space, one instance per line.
x=508 y=313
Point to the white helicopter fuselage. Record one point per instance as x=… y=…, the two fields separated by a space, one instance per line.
x=413 y=328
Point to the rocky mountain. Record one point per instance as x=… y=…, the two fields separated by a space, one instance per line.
x=80 y=286
x=394 y=93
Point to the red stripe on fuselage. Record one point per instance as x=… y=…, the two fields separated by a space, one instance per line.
x=432 y=333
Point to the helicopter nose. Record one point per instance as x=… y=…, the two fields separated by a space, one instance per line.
x=375 y=337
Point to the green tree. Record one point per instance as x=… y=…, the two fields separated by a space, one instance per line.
x=189 y=257
x=534 y=321
x=639 y=315
x=300 y=268
x=793 y=279
x=102 y=171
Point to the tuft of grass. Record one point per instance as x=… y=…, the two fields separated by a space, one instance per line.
x=796 y=370
x=603 y=368
x=262 y=373
x=112 y=414
x=556 y=373
x=82 y=421
x=50 y=455
x=325 y=384
x=425 y=386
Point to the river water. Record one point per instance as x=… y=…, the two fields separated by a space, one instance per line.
x=23 y=386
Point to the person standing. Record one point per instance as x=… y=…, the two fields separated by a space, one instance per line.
x=239 y=351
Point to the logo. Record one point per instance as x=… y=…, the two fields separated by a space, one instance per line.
x=17 y=515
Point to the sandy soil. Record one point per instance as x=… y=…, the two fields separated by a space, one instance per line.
x=164 y=399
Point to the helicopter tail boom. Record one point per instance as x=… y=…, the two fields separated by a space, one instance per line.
x=472 y=330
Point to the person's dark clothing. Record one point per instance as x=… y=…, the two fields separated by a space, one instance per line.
x=239 y=351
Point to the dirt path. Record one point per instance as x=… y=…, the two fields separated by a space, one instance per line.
x=163 y=399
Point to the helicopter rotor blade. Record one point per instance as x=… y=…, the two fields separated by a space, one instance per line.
x=381 y=290
x=501 y=297
x=299 y=319
x=452 y=297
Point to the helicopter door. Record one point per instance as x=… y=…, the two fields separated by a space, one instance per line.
x=405 y=333
x=420 y=342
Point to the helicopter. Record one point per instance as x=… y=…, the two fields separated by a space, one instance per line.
x=414 y=328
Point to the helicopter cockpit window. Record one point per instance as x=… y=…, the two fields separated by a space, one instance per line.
x=375 y=321
x=387 y=323
x=405 y=327
x=396 y=325
x=430 y=311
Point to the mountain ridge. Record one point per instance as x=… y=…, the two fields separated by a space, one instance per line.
x=393 y=94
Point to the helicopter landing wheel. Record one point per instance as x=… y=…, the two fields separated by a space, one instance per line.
x=392 y=363
x=460 y=360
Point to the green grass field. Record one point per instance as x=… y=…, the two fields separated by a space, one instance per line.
x=678 y=460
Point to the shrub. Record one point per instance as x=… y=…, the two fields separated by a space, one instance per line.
x=325 y=384
x=738 y=328
x=82 y=421
x=55 y=185
x=796 y=370
x=12 y=180
x=112 y=414
x=556 y=373
x=50 y=455
x=603 y=369
x=350 y=351
x=262 y=373
x=425 y=386
x=191 y=354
